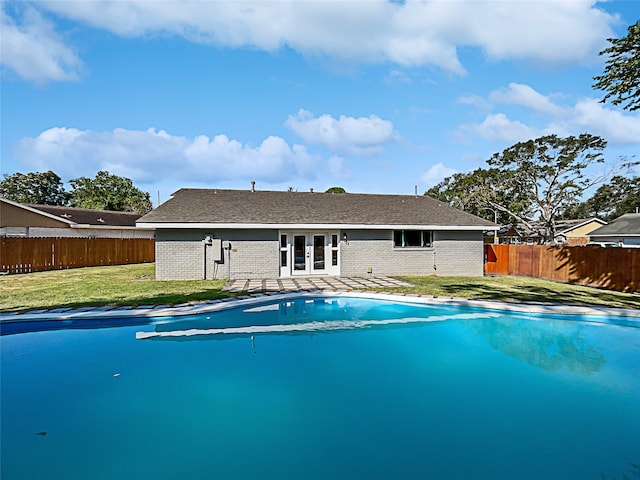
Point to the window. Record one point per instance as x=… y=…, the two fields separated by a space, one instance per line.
x=412 y=238
x=334 y=250
x=283 y=250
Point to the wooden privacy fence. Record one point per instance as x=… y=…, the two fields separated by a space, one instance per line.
x=611 y=268
x=24 y=255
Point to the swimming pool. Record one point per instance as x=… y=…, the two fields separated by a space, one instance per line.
x=323 y=388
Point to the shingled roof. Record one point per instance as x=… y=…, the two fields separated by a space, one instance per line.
x=85 y=216
x=625 y=225
x=271 y=208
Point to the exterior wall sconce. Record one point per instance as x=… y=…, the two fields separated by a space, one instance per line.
x=345 y=238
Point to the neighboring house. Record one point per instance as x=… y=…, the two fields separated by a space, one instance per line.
x=19 y=220
x=576 y=232
x=520 y=234
x=624 y=230
x=568 y=232
x=264 y=234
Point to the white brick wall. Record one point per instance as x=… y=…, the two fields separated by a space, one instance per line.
x=180 y=254
x=453 y=254
x=255 y=254
x=459 y=253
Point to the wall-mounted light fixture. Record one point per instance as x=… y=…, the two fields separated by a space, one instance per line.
x=345 y=238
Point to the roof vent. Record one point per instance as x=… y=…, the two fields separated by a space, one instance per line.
x=101 y=220
x=253 y=185
x=311 y=189
x=65 y=215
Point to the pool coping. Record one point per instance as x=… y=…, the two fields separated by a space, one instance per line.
x=209 y=306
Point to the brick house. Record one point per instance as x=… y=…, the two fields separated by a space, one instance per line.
x=233 y=234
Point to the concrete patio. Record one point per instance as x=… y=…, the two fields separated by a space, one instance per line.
x=293 y=284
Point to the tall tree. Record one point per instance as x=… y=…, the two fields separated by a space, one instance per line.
x=621 y=77
x=550 y=171
x=619 y=196
x=38 y=188
x=475 y=192
x=109 y=192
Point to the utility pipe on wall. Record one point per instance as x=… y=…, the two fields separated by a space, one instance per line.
x=207 y=242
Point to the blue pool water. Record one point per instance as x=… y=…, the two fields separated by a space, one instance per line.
x=324 y=388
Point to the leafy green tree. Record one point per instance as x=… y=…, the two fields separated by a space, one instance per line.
x=37 y=188
x=621 y=195
x=109 y=192
x=621 y=77
x=550 y=172
x=475 y=192
x=335 y=190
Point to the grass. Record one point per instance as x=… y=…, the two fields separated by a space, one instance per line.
x=135 y=285
x=519 y=289
x=100 y=286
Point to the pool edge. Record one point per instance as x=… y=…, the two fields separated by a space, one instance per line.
x=157 y=311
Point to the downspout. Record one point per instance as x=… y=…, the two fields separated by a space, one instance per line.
x=227 y=247
x=207 y=242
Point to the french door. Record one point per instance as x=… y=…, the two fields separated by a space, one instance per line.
x=309 y=253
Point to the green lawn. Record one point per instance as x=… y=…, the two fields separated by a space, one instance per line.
x=98 y=286
x=519 y=289
x=135 y=285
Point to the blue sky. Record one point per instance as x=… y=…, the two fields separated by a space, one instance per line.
x=373 y=96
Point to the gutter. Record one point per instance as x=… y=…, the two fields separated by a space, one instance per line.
x=311 y=226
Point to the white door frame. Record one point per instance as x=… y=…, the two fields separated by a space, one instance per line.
x=309 y=253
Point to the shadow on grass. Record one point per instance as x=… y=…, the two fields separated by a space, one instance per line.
x=136 y=301
x=496 y=289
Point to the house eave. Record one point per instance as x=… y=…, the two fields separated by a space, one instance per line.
x=312 y=226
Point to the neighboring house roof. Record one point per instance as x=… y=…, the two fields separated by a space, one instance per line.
x=566 y=227
x=248 y=208
x=563 y=227
x=626 y=225
x=18 y=214
x=85 y=216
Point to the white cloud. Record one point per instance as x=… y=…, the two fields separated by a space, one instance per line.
x=616 y=127
x=151 y=156
x=475 y=101
x=34 y=51
x=412 y=33
x=586 y=116
x=355 y=136
x=525 y=96
x=336 y=168
x=498 y=127
x=436 y=174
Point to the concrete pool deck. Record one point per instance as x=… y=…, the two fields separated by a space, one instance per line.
x=261 y=291
x=311 y=283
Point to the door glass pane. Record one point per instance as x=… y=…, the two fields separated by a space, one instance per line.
x=283 y=241
x=334 y=257
x=318 y=252
x=299 y=252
